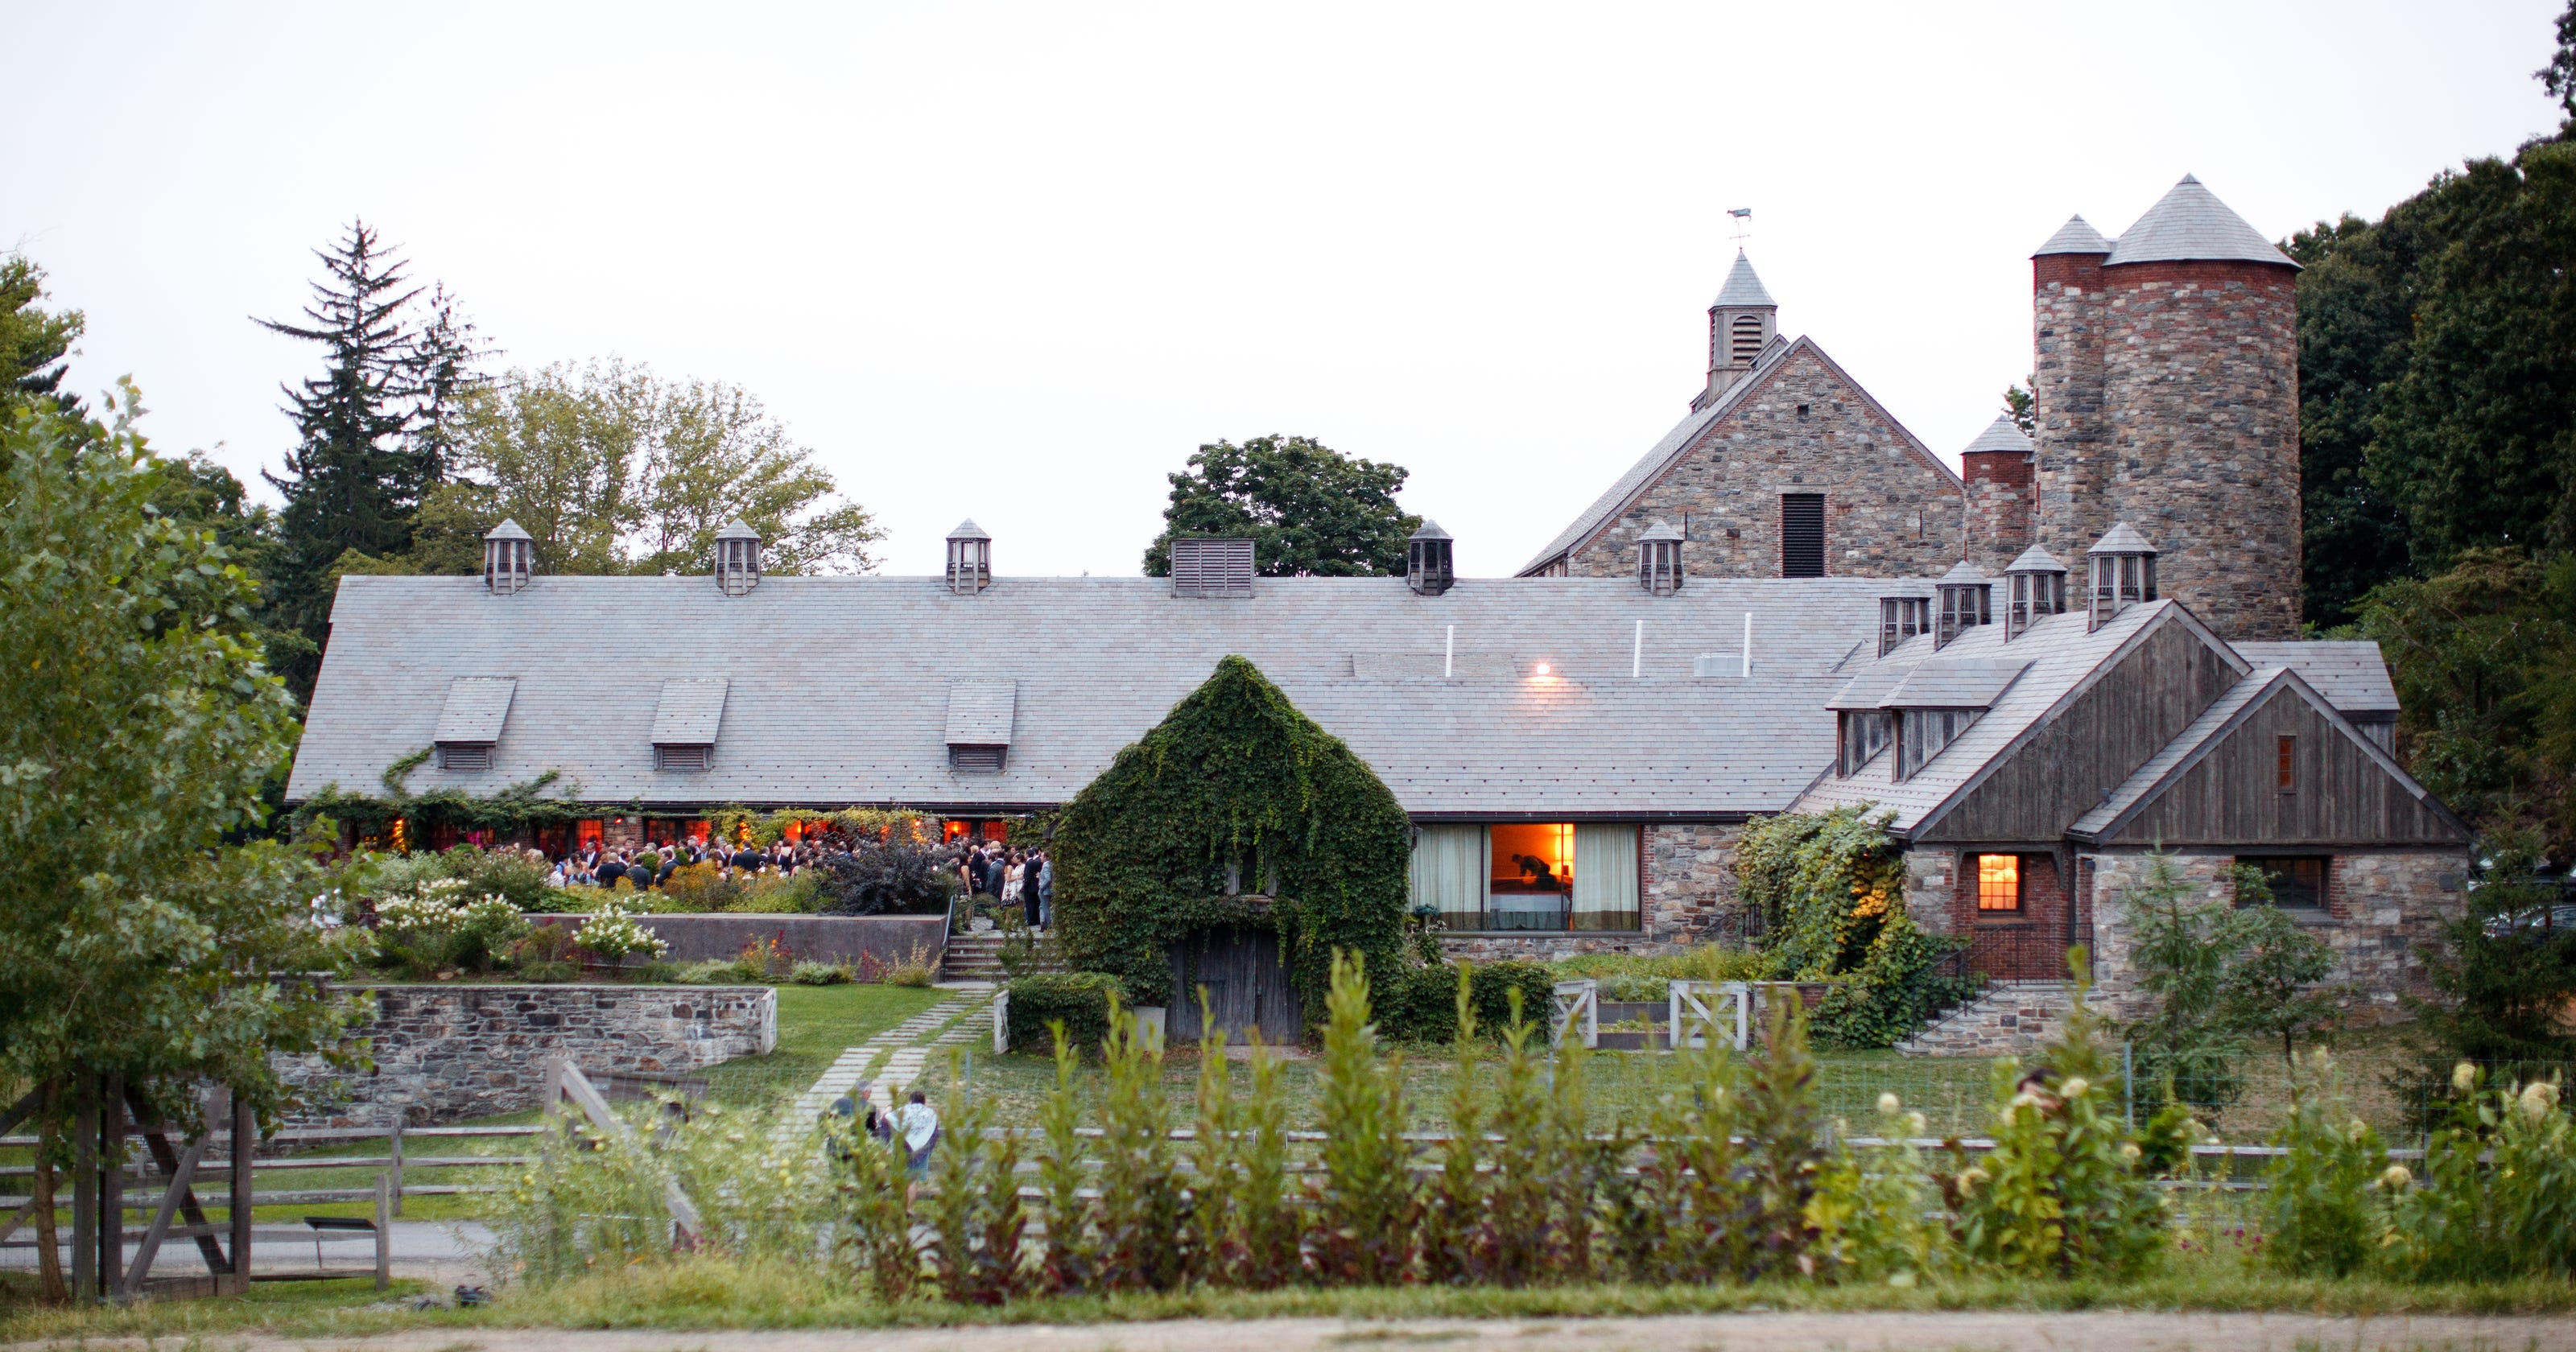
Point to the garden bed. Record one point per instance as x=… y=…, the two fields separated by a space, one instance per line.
x=843 y=940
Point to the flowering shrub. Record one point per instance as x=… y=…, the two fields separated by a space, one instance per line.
x=2321 y=1193
x=611 y=934
x=2497 y=1192
x=433 y=927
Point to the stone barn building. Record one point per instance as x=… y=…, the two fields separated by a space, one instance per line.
x=2082 y=649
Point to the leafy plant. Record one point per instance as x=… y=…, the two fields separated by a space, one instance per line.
x=1830 y=891
x=1140 y=1219
x=977 y=1217
x=1365 y=1205
x=1455 y=1244
x=1784 y=1150
x=1077 y=1005
x=2497 y=1190
x=896 y=875
x=1874 y=1212
x=611 y=934
x=2320 y=1189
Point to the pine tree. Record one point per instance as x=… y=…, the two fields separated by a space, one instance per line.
x=376 y=431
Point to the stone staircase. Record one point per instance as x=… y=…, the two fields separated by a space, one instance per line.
x=978 y=957
x=2010 y=1018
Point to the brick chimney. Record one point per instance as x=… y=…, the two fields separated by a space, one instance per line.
x=2001 y=504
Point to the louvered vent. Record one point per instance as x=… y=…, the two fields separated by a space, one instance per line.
x=1747 y=339
x=1211 y=568
x=986 y=760
x=465 y=757
x=1802 y=535
x=679 y=758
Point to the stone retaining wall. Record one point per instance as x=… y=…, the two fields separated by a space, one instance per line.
x=448 y=1052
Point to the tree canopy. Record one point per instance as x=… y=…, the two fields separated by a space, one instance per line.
x=33 y=341
x=1309 y=510
x=615 y=469
x=1234 y=792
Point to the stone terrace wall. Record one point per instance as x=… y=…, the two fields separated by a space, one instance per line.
x=449 y=1052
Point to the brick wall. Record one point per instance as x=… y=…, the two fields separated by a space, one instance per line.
x=1889 y=511
x=448 y=1052
x=2001 y=512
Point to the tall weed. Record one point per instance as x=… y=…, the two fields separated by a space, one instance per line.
x=1874 y=1213
x=2497 y=1189
x=1072 y=1260
x=2320 y=1194
x=1783 y=1150
x=1365 y=1208
x=1141 y=1214
x=1454 y=1252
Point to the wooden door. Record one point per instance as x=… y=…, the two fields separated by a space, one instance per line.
x=1246 y=982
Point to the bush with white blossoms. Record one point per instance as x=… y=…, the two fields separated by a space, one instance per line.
x=611 y=934
x=434 y=926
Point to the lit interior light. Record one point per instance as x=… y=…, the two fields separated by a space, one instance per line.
x=1542 y=668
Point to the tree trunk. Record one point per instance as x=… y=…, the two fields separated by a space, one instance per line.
x=49 y=1257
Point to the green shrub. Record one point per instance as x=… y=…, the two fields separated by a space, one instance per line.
x=1420 y=1003
x=1081 y=1001
x=2496 y=1192
x=1365 y=1204
x=821 y=974
x=1875 y=1213
x=2320 y=1187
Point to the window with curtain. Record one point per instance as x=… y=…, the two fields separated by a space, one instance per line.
x=1605 y=877
x=1448 y=862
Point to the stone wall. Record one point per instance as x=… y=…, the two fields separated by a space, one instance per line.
x=1686 y=874
x=1891 y=510
x=2383 y=908
x=2001 y=513
x=448 y=1052
x=2168 y=397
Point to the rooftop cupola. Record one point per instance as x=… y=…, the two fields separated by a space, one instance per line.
x=1964 y=600
x=1901 y=618
x=1659 y=559
x=509 y=558
x=1429 y=567
x=2034 y=589
x=970 y=558
x=2124 y=573
x=1741 y=322
x=737 y=558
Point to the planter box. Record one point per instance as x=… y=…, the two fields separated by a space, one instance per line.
x=887 y=939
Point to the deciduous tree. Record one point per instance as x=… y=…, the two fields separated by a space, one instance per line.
x=1309 y=510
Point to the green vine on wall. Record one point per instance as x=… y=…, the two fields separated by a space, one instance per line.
x=1830 y=889
x=1235 y=786
x=396 y=773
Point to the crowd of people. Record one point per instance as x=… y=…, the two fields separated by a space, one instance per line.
x=1007 y=875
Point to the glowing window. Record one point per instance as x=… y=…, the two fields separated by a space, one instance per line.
x=1998 y=882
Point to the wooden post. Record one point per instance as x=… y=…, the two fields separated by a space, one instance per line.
x=396 y=1138
x=245 y=1141
x=85 y=1191
x=384 y=1229
x=111 y=1186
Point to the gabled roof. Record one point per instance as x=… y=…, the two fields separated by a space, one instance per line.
x=1742 y=287
x=1953 y=685
x=2064 y=661
x=2190 y=223
x=2207 y=732
x=1686 y=435
x=980 y=712
x=2351 y=675
x=2074 y=237
x=2003 y=434
x=475 y=709
x=689 y=712
x=839 y=686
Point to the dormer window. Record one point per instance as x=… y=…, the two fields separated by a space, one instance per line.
x=2035 y=589
x=1859 y=735
x=2123 y=567
x=1966 y=601
x=1901 y=618
x=1659 y=559
x=1922 y=733
x=470 y=722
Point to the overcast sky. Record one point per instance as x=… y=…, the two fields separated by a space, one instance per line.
x=1015 y=261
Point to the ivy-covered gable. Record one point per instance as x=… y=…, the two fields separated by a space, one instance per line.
x=1234 y=795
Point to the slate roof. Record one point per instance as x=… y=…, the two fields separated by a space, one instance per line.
x=839 y=687
x=475 y=708
x=2074 y=237
x=690 y=712
x=2063 y=660
x=2122 y=538
x=2034 y=560
x=980 y=712
x=1686 y=433
x=2190 y=222
x=1953 y=685
x=2000 y=435
x=2211 y=728
x=2351 y=675
x=1742 y=287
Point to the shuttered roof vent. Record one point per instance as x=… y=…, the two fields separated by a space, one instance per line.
x=686 y=720
x=1802 y=535
x=1207 y=567
x=470 y=721
x=980 y=714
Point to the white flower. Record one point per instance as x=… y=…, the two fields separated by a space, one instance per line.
x=2538 y=1100
x=1914 y=1124
x=2464 y=1077
x=2129 y=1151
x=2075 y=1088
x=2395 y=1177
x=1888 y=1104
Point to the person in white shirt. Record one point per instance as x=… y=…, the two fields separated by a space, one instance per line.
x=918 y=1124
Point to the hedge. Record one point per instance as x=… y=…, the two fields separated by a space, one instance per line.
x=1078 y=1000
x=1420 y=1004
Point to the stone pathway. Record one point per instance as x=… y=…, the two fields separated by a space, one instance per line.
x=894 y=1058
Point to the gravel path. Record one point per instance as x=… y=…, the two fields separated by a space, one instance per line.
x=2006 y=1331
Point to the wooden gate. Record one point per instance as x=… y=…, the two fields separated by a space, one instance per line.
x=1247 y=985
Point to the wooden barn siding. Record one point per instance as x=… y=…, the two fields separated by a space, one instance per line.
x=2058 y=773
x=2232 y=796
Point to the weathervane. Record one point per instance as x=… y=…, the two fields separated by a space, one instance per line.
x=1743 y=224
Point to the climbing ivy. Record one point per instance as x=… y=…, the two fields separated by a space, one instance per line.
x=1830 y=889
x=1234 y=785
